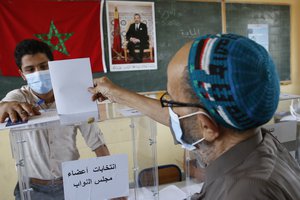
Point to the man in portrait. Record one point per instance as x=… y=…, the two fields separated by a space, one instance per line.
x=137 y=37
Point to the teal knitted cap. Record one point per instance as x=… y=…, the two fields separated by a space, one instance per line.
x=235 y=79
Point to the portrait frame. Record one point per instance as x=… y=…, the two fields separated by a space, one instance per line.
x=120 y=15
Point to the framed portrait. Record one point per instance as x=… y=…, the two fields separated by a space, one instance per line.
x=131 y=35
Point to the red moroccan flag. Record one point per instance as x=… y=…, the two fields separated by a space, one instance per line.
x=71 y=28
x=117 y=37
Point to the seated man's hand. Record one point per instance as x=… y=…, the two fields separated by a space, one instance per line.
x=134 y=40
x=15 y=110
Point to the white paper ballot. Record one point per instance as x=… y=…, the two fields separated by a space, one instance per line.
x=172 y=192
x=70 y=80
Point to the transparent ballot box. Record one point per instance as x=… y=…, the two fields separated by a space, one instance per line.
x=126 y=131
x=286 y=124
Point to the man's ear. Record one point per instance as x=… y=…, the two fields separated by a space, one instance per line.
x=22 y=75
x=210 y=129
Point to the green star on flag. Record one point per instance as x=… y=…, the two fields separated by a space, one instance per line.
x=54 y=35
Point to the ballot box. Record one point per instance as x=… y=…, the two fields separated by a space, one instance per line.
x=285 y=125
x=136 y=137
x=287 y=132
x=179 y=178
x=128 y=132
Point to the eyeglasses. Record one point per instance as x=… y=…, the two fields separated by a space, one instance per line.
x=165 y=101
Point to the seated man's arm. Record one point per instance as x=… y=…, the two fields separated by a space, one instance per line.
x=94 y=138
x=145 y=35
x=105 y=89
x=128 y=33
x=102 y=151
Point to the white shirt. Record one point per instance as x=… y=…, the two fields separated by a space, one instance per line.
x=47 y=147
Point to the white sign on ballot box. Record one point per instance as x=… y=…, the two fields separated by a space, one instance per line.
x=96 y=178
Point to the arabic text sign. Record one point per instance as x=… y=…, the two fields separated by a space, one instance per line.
x=96 y=178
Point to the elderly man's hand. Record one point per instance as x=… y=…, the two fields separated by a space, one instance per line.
x=17 y=110
x=103 y=89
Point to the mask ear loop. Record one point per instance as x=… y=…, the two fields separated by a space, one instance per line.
x=199 y=112
x=196 y=113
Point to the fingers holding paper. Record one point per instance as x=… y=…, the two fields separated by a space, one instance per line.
x=104 y=89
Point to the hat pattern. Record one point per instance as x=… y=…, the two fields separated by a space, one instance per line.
x=235 y=79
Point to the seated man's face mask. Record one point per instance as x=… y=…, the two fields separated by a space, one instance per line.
x=39 y=81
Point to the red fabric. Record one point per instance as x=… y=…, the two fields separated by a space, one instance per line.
x=22 y=19
x=117 y=37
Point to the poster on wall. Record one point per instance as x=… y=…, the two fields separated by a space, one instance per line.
x=131 y=35
x=260 y=34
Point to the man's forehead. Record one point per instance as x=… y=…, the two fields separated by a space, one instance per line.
x=180 y=60
x=34 y=59
x=177 y=70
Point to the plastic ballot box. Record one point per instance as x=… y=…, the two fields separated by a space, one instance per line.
x=126 y=131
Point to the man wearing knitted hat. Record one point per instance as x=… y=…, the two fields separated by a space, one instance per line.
x=221 y=89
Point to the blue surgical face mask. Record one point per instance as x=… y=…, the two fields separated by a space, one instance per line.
x=177 y=130
x=39 y=81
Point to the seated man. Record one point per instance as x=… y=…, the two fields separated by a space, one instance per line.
x=137 y=37
x=45 y=149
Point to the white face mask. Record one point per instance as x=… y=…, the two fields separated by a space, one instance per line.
x=177 y=130
x=40 y=81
